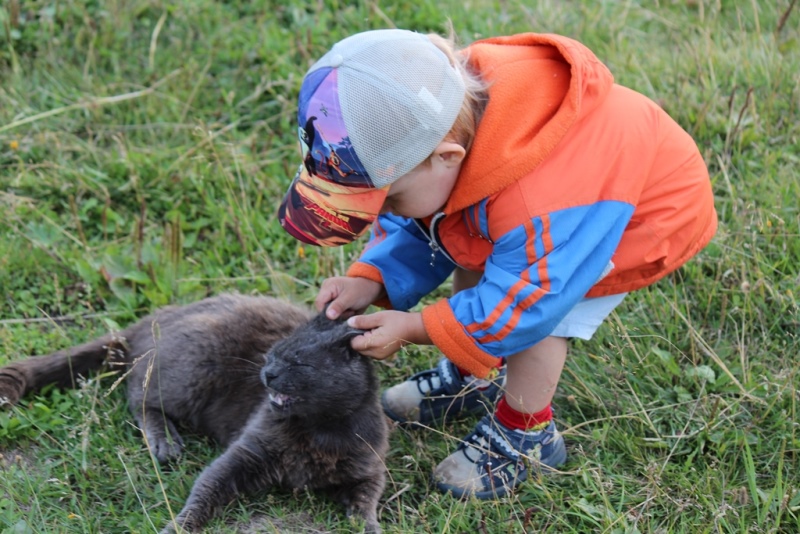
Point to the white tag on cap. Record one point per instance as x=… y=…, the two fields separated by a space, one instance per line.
x=429 y=99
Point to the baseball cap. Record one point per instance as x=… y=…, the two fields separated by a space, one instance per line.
x=369 y=111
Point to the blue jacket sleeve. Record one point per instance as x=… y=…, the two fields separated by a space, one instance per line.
x=401 y=251
x=537 y=273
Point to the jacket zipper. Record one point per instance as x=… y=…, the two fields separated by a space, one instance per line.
x=433 y=241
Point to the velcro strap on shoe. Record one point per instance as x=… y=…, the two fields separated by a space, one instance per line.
x=449 y=375
x=499 y=443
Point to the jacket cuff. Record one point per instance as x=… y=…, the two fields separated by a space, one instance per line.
x=449 y=337
x=365 y=270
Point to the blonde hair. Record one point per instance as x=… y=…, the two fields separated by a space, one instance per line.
x=475 y=94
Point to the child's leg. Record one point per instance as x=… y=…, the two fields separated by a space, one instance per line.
x=494 y=458
x=532 y=375
x=521 y=435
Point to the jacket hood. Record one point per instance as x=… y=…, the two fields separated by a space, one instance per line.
x=539 y=85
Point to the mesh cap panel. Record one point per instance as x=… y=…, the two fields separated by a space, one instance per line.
x=399 y=97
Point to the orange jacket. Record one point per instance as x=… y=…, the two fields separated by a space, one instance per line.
x=574 y=186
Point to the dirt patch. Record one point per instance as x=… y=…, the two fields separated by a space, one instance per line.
x=18 y=457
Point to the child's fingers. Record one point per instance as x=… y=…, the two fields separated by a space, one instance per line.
x=333 y=311
x=373 y=345
x=324 y=297
x=365 y=322
x=362 y=343
x=340 y=307
x=333 y=298
x=379 y=341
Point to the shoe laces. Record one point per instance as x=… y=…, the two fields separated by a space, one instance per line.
x=489 y=440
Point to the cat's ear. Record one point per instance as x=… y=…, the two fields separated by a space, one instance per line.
x=322 y=324
x=350 y=333
x=346 y=334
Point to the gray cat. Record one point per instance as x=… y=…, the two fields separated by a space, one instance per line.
x=310 y=419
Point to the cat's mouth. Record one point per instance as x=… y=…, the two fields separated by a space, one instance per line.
x=280 y=400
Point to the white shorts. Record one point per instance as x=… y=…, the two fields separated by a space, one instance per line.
x=586 y=317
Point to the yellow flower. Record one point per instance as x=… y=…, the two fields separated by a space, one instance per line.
x=301 y=253
x=14 y=144
x=72 y=516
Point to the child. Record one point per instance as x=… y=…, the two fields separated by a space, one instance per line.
x=518 y=166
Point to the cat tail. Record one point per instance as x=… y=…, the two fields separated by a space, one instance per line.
x=61 y=368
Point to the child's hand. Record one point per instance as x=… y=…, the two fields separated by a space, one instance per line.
x=388 y=331
x=347 y=295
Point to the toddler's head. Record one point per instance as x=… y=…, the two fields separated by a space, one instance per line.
x=370 y=110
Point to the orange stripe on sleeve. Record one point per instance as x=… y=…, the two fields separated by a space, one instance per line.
x=516 y=315
x=530 y=300
x=500 y=308
x=508 y=300
x=533 y=298
x=530 y=252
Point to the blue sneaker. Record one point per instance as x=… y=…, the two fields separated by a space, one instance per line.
x=440 y=394
x=493 y=460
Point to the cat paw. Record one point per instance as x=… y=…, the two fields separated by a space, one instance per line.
x=371 y=524
x=180 y=525
x=160 y=435
x=373 y=527
x=165 y=449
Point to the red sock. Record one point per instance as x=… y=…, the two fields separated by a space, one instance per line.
x=465 y=373
x=511 y=418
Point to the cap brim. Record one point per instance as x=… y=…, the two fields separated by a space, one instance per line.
x=324 y=213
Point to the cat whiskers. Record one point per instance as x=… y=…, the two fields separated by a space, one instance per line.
x=249 y=362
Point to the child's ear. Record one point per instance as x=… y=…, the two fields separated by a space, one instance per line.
x=450 y=153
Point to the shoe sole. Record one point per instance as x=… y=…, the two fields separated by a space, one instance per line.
x=556 y=459
x=393 y=416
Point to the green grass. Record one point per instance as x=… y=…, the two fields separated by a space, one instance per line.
x=144 y=146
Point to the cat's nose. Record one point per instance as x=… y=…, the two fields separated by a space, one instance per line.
x=267 y=375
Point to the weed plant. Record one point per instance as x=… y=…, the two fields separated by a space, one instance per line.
x=145 y=146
